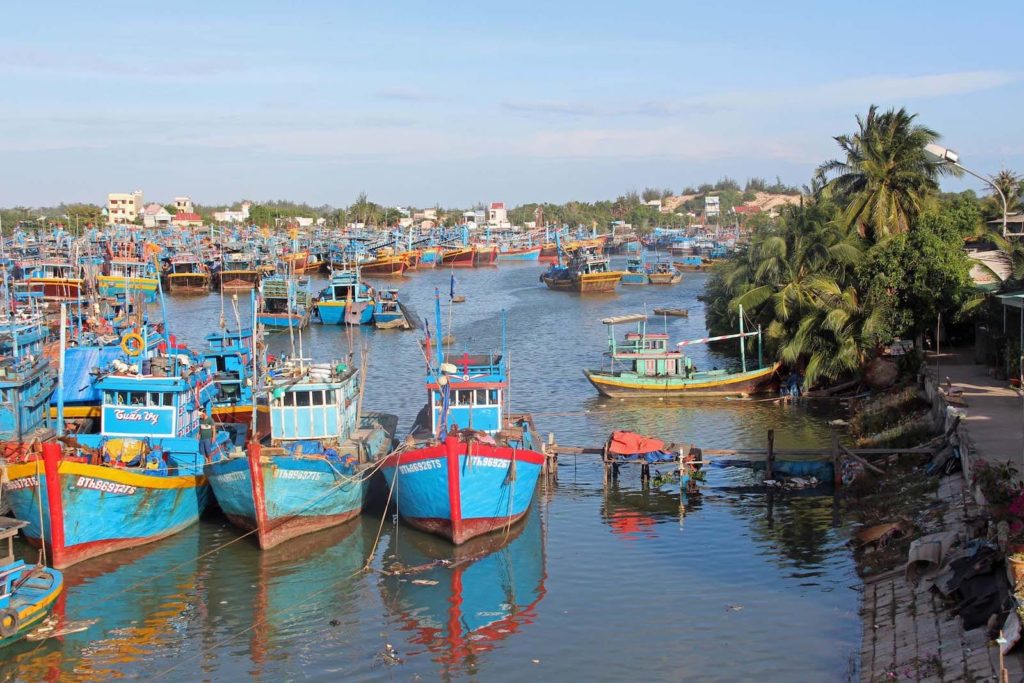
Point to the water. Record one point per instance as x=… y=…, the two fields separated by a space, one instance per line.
x=597 y=584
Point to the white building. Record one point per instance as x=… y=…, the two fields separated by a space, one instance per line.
x=497 y=215
x=239 y=216
x=155 y=216
x=123 y=207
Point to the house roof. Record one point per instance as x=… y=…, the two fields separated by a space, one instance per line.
x=747 y=208
x=183 y=216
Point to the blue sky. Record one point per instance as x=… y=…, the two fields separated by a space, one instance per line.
x=460 y=102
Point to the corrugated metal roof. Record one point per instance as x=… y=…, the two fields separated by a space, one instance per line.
x=78 y=363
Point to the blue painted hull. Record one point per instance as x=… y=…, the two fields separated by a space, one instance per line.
x=301 y=495
x=103 y=509
x=443 y=490
x=283 y=322
x=636 y=279
x=333 y=313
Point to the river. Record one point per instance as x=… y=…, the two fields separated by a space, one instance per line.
x=597 y=584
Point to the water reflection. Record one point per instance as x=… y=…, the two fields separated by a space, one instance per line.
x=458 y=603
x=633 y=512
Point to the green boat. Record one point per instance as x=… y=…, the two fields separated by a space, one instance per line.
x=650 y=368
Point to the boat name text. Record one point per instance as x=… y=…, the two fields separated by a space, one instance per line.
x=104 y=486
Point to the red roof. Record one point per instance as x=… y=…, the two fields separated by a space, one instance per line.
x=185 y=216
x=497 y=205
x=747 y=208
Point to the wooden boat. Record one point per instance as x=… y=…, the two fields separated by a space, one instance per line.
x=458 y=299
x=485 y=255
x=636 y=273
x=520 y=254
x=389 y=313
x=138 y=480
x=651 y=369
x=665 y=274
x=56 y=281
x=590 y=274
x=549 y=252
x=27 y=593
x=677 y=312
x=467 y=469
x=283 y=304
x=27 y=379
x=347 y=300
x=129 y=277
x=186 y=275
x=313 y=471
x=238 y=273
x=230 y=355
x=458 y=258
x=385 y=264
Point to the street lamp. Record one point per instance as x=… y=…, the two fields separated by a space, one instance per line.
x=948 y=156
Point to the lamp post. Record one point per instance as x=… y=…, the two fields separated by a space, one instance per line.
x=948 y=156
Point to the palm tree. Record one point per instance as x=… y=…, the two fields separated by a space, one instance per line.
x=885 y=176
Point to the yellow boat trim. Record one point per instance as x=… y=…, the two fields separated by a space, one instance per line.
x=140 y=282
x=180 y=275
x=39 y=609
x=752 y=375
x=77 y=411
x=30 y=469
x=232 y=410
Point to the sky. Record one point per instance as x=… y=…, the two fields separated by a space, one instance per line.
x=455 y=103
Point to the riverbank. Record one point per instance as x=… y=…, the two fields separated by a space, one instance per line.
x=910 y=632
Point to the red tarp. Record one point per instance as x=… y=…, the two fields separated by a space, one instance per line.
x=629 y=443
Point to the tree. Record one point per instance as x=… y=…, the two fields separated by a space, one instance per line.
x=885 y=176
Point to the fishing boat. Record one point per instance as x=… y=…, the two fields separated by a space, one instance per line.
x=389 y=313
x=691 y=263
x=385 y=264
x=238 y=273
x=651 y=369
x=347 y=300
x=27 y=593
x=186 y=275
x=26 y=383
x=636 y=273
x=459 y=257
x=313 y=471
x=139 y=479
x=549 y=252
x=519 y=254
x=675 y=312
x=230 y=356
x=463 y=602
x=665 y=274
x=468 y=467
x=129 y=277
x=586 y=273
x=430 y=257
x=283 y=304
x=56 y=281
x=485 y=255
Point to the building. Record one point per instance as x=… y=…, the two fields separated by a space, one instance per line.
x=123 y=207
x=155 y=216
x=183 y=205
x=239 y=216
x=187 y=219
x=497 y=215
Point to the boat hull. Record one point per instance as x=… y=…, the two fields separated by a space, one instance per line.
x=523 y=254
x=459 y=258
x=665 y=278
x=192 y=283
x=461 y=490
x=593 y=283
x=283 y=321
x=560 y=284
x=56 y=289
x=93 y=510
x=636 y=279
x=300 y=495
x=336 y=313
x=628 y=384
x=239 y=281
x=111 y=286
x=34 y=600
x=485 y=256
x=390 y=266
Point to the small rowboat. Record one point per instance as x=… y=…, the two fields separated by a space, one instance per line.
x=678 y=312
x=458 y=299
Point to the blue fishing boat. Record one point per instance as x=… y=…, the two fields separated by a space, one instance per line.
x=469 y=467
x=312 y=472
x=460 y=603
x=129 y=276
x=389 y=313
x=27 y=593
x=636 y=272
x=347 y=300
x=230 y=356
x=283 y=304
x=137 y=480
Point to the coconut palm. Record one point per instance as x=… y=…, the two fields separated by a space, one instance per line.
x=885 y=177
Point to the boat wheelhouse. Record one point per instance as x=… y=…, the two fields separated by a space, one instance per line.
x=238 y=272
x=283 y=304
x=230 y=357
x=347 y=300
x=131 y=278
x=389 y=313
x=56 y=281
x=185 y=274
x=636 y=272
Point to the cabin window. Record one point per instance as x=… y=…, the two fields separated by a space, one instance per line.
x=330 y=397
x=302 y=399
x=493 y=395
x=316 y=398
x=3 y=395
x=480 y=398
x=289 y=400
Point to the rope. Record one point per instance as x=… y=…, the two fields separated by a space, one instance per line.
x=391 y=490
x=39 y=494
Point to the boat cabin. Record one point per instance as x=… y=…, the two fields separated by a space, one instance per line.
x=321 y=406
x=26 y=383
x=467 y=392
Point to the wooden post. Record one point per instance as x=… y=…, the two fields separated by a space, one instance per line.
x=54 y=503
x=769 y=472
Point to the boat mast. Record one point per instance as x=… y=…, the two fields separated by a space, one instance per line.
x=743 y=345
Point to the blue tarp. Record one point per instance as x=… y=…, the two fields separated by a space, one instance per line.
x=79 y=361
x=653 y=456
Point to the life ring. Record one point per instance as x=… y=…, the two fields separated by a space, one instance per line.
x=9 y=622
x=132 y=343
